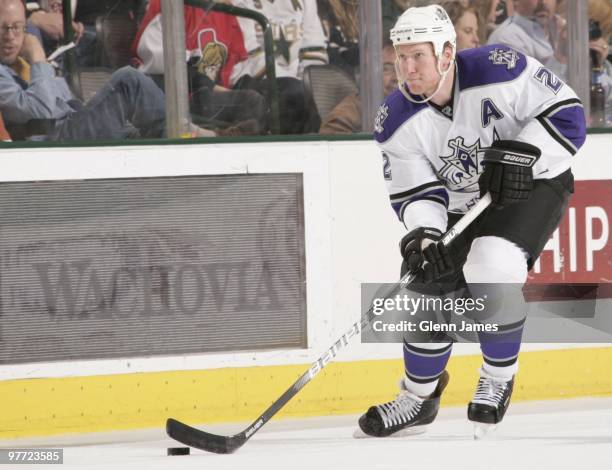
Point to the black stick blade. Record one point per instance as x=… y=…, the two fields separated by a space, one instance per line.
x=203 y=440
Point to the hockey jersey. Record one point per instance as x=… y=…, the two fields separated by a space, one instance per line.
x=297 y=31
x=214 y=37
x=432 y=156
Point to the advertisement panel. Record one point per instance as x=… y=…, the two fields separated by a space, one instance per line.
x=94 y=269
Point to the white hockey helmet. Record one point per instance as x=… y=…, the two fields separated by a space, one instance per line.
x=425 y=24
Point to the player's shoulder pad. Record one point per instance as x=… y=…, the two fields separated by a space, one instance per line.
x=488 y=65
x=394 y=112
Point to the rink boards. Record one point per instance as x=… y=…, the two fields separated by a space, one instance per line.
x=350 y=237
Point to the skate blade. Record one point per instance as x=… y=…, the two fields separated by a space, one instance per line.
x=412 y=431
x=482 y=430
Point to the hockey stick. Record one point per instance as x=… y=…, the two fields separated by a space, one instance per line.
x=227 y=444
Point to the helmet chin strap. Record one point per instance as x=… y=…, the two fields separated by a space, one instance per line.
x=440 y=83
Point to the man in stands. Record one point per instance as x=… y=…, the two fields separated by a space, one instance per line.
x=215 y=46
x=345 y=118
x=299 y=41
x=49 y=20
x=29 y=90
x=535 y=30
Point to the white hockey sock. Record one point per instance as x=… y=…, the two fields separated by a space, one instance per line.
x=422 y=390
x=505 y=373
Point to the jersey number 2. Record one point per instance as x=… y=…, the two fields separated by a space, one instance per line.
x=549 y=79
x=386 y=167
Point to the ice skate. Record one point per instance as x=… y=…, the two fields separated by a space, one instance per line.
x=407 y=414
x=489 y=404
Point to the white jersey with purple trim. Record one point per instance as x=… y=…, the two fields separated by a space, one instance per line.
x=433 y=156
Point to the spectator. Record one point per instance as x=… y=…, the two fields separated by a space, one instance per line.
x=299 y=42
x=49 y=20
x=465 y=20
x=215 y=46
x=491 y=13
x=601 y=11
x=600 y=20
x=600 y=17
x=298 y=35
x=345 y=118
x=201 y=28
x=537 y=30
x=340 y=19
x=29 y=90
x=534 y=29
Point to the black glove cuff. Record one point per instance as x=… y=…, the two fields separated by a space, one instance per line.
x=418 y=235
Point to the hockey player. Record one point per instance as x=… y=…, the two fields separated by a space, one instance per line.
x=444 y=135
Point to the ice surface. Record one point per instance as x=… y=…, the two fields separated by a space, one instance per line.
x=555 y=435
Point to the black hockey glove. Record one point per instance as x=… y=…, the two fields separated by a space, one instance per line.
x=414 y=242
x=438 y=263
x=423 y=244
x=508 y=173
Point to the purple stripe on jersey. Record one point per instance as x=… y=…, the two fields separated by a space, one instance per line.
x=397 y=207
x=420 y=366
x=438 y=195
x=501 y=346
x=487 y=65
x=571 y=124
x=394 y=112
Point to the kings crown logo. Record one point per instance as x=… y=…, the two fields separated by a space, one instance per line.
x=462 y=167
x=380 y=118
x=506 y=57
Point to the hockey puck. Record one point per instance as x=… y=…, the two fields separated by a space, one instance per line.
x=178 y=450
